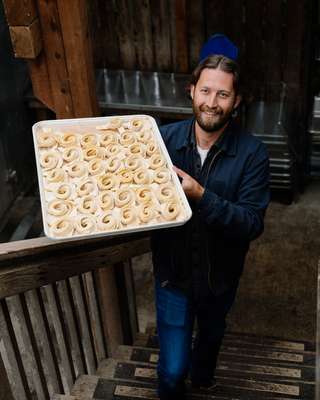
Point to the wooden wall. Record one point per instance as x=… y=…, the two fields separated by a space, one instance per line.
x=166 y=35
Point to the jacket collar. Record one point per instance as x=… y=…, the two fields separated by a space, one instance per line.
x=228 y=143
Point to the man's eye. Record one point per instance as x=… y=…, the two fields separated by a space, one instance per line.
x=204 y=90
x=223 y=95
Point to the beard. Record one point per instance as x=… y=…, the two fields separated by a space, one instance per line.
x=211 y=123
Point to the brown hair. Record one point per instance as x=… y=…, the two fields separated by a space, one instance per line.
x=218 y=62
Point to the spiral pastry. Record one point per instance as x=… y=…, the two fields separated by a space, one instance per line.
x=50 y=160
x=133 y=162
x=92 y=152
x=166 y=193
x=114 y=123
x=136 y=124
x=151 y=149
x=127 y=138
x=127 y=215
x=106 y=201
x=144 y=136
x=62 y=227
x=144 y=194
x=88 y=140
x=55 y=175
x=46 y=139
x=67 y=139
x=147 y=213
x=161 y=175
x=112 y=149
x=136 y=149
x=63 y=191
x=95 y=166
x=87 y=205
x=113 y=164
x=156 y=161
x=170 y=210
x=71 y=154
x=85 y=188
x=124 y=196
x=125 y=176
x=85 y=224
x=108 y=137
x=59 y=208
x=141 y=176
x=107 y=221
x=77 y=169
x=106 y=182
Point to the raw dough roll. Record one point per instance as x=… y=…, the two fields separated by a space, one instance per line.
x=125 y=176
x=63 y=191
x=55 y=175
x=166 y=193
x=124 y=196
x=128 y=215
x=106 y=182
x=85 y=224
x=46 y=139
x=114 y=123
x=113 y=164
x=77 y=169
x=88 y=140
x=136 y=149
x=133 y=162
x=161 y=175
x=106 y=201
x=141 y=176
x=71 y=154
x=151 y=149
x=62 y=227
x=144 y=136
x=147 y=213
x=170 y=210
x=144 y=194
x=67 y=139
x=156 y=161
x=136 y=124
x=86 y=187
x=113 y=149
x=87 y=205
x=108 y=137
x=95 y=166
x=127 y=138
x=50 y=160
x=60 y=208
x=92 y=152
x=107 y=221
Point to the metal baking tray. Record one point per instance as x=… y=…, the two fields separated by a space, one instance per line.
x=87 y=125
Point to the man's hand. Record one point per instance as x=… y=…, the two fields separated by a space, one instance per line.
x=191 y=187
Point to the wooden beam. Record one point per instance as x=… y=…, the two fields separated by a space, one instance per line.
x=20 y=12
x=79 y=59
x=26 y=40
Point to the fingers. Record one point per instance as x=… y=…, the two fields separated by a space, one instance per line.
x=179 y=172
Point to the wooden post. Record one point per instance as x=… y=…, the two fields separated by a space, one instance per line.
x=5 y=391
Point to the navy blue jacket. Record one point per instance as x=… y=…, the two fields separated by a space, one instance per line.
x=228 y=216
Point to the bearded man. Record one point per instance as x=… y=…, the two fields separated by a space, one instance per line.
x=224 y=172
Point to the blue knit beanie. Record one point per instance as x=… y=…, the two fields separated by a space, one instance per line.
x=219 y=44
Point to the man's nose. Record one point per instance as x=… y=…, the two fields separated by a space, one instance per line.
x=212 y=101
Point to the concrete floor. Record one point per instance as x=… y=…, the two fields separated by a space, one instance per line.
x=277 y=293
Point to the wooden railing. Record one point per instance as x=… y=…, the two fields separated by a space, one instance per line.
x=63 y=308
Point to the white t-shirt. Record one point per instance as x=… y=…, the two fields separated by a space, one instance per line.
x=202 y=153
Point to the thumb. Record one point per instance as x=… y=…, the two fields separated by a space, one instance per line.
x=179 y=172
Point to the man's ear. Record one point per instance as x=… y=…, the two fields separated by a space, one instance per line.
x=238 y=101
x=191 y=91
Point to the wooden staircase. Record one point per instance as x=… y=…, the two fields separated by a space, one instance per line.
x=249 y=367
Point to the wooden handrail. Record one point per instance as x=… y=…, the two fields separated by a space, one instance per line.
x=29 y=264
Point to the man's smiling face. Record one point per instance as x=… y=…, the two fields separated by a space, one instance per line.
x=213 y=99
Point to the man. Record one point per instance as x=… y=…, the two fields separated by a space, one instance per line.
x=224 y=172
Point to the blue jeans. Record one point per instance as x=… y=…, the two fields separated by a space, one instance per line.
x=176 y=314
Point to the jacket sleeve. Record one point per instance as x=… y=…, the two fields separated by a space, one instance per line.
x=242 y=219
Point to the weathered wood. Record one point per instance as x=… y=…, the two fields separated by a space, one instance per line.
x=94 y=316
x=83 y=324
x=214 y=17
x=181 y=41
x=78 y=55
x=42 y=342
x=131 y=295
x=161 y=35
x=20 y=12
x=72 y=333
x=5 y=390
x=110 y=309
x=26 y=350
x=55 y=57
x=26 y=40
x=196 y=34
x=14 y=373
x=25 y=273
x=58 y=338
x=125 y=30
